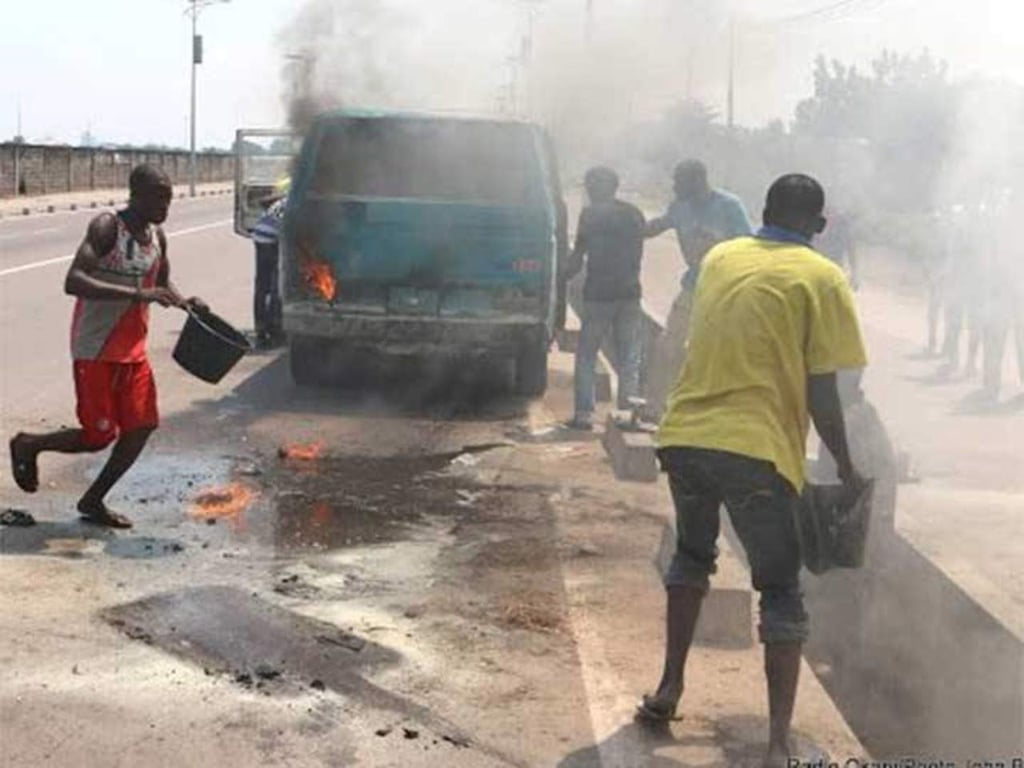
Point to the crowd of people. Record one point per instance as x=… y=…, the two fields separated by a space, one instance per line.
x=975 y=294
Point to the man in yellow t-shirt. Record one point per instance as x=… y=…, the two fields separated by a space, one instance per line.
x=773 y=321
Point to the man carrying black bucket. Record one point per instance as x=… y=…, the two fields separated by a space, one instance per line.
x=120 y=268
x=773 y=322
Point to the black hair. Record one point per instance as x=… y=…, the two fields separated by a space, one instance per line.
x=602 y=174
x=145 y=177
x=692 y=168
x=792 y=197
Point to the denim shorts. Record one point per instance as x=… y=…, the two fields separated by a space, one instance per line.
x=760 y=503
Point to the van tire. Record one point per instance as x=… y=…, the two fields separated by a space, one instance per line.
x=307 y=360
x=532 y=370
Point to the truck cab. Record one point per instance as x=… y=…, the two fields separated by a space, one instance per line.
x=413 y=234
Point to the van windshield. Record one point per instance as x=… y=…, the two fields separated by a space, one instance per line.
x=459 y=161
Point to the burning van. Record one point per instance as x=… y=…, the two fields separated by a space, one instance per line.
x=422 y=235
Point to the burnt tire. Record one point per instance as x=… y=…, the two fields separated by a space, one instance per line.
x=532 y=371
x=308 y=361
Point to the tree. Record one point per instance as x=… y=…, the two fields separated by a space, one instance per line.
x=905 y=110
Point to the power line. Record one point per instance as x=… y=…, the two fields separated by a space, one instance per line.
x=830 y=12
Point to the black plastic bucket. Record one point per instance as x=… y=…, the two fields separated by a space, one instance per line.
x=833 y=527
x=209 y=346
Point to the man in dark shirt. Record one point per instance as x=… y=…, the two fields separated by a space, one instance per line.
x=611 y=236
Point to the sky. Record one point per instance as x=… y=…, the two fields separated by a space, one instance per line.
x=119 y=69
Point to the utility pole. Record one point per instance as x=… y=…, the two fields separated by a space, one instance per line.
x=197 y=55
x=730 y=108
x=588 y=28
x=195 y=6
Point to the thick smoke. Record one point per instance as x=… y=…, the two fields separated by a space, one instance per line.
x=584 y=75
x=394 y=54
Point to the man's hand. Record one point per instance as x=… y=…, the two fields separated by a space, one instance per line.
x=197 y=304
x=163 y=296
x=853 y=482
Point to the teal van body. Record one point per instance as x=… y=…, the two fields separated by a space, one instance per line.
x=423 y=235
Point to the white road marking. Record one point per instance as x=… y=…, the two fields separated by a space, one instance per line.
x=608 y=705
x=65 y=259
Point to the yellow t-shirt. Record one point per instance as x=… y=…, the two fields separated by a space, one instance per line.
x=766 y=315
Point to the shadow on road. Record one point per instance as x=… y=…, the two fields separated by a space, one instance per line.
x=434 y=390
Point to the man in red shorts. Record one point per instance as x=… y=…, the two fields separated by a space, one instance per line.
x=119 y=269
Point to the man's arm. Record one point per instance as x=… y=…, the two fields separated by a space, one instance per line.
x=655 y=227
x=738 y=222
x=574 y=263
x=827 y=414
x=833 y=344
x=81 y=279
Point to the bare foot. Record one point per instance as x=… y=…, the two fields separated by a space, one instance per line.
x=23 y=464
x=777 y=757
x=97 y=513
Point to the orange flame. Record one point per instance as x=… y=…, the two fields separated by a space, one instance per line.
x=227 y=502
x=319 y=278
x=301 y=452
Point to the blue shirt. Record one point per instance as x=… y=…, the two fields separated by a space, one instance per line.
x=705 y=222
x=268 y=229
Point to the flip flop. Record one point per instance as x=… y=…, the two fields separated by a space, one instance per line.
x=654 y=710
x=16 y=518
x=105 y=517
x=25 y=473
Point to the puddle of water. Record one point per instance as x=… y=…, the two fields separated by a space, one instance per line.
x=337 y=502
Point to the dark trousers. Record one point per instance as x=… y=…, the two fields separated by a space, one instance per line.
x=266 y=306
x=760 y=504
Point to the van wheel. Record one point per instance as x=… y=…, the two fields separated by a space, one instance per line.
x=307 y=360
x=532 y=371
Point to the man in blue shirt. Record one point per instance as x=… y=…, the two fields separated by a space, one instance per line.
x=266 y=237
x=702 y=217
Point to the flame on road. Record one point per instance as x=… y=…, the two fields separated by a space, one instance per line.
x=301 y=452
x=227 y=502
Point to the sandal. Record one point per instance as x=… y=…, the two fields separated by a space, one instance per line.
x=655 y=710
x=25 y=471
x=17 y=518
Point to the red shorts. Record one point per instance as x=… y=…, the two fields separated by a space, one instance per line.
x=114 y=398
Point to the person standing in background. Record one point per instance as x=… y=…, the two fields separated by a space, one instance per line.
x=266 y=237
x=837 y=243
x=610 y=236
x=702 y=217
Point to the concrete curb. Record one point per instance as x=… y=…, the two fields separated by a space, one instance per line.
x=98 y=203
